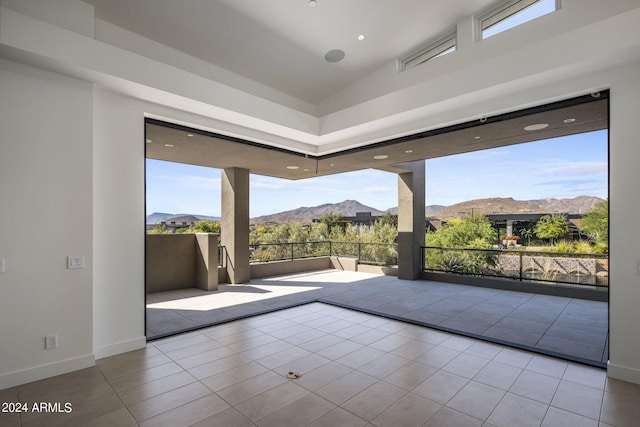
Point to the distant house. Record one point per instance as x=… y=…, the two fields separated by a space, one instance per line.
x=173 y=224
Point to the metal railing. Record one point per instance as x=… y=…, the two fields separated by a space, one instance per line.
x=222 y=256
x=366 y=253
x=550 y=267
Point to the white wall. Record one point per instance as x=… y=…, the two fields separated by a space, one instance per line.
x=119 y=224
x=45 y=215
x=624 y=148
x=91 y=203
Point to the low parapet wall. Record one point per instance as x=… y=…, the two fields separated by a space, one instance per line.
x=178 y=261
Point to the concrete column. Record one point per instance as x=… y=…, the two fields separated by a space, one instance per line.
x=235 y=223
x=207 y=261
x=411 y=219
x=509 y=227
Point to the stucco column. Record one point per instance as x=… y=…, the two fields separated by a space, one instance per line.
x=411 y=219
x=235 y=223
x=207 y=261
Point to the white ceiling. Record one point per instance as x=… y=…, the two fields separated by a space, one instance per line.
x=282 y=43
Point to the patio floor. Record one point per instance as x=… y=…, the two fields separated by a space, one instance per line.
x=565 y=327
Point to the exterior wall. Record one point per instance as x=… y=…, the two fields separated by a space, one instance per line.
x=170 y=262
x=290 y=266
x=180 y=261
x=376 y=269
x=45 y=216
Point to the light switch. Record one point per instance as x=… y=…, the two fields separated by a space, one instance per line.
x=75 y=262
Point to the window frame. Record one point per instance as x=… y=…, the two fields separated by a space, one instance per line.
x=440 y=47
x=505 y=11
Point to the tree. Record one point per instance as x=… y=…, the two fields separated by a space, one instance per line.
x=388 y=218
x=595 y=223
x=159 y=229
x=332 y=221
x=472 y=231
x=204 y=226
x=552 y=227
x=527 y=233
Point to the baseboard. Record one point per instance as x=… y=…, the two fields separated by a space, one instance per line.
x=23 y=376
x=623 y=373
x=120 y=347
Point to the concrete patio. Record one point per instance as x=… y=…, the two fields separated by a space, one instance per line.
x=565 y=327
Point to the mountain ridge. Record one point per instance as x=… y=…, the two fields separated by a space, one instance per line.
x=494 y=205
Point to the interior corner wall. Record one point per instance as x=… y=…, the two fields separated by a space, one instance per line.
x=119 y=224
x=624 y=236
x=45 y=216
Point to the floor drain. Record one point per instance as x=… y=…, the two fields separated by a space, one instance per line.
x=293 y=375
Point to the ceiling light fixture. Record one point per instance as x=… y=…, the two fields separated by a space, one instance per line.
x=168 y=145
x=537 y=126
x=476 y=137
x=381 y=157
x=293 y=167
x=569 y=120
x=408 y=151
x=189 y=134
x=361 y=37
x=313 y=3
x=149 y=141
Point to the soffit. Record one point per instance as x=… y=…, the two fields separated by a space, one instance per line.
x=204 y=149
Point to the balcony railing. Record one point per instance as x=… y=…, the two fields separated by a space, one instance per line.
x=550 y=267
x=366 y=253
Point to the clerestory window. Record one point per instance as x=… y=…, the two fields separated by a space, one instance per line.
x=513 y=13
x=431 y=51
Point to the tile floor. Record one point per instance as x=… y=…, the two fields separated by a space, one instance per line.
x=575 y=328
x=357 y=370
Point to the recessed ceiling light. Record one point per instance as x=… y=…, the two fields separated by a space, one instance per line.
x=332 y=165
x=381 y=157
x=335 y=55
x=569 y=120
x=408 y=151
x=476 y=137
x=149 y=141
x=189 y=134
x=361 y=37
x=168 y=145
x=537 y=126
x=306 y=170
x=293 y=167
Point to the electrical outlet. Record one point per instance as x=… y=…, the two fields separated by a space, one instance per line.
x=74 y=262
x=50 y=342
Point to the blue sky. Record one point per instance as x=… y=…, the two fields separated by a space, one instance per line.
x=556 y=168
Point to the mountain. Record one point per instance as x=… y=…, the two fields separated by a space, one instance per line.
x=158 y=217
x=429 y=210
x=307 y=214
x=497 y=205
x=577 y=205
